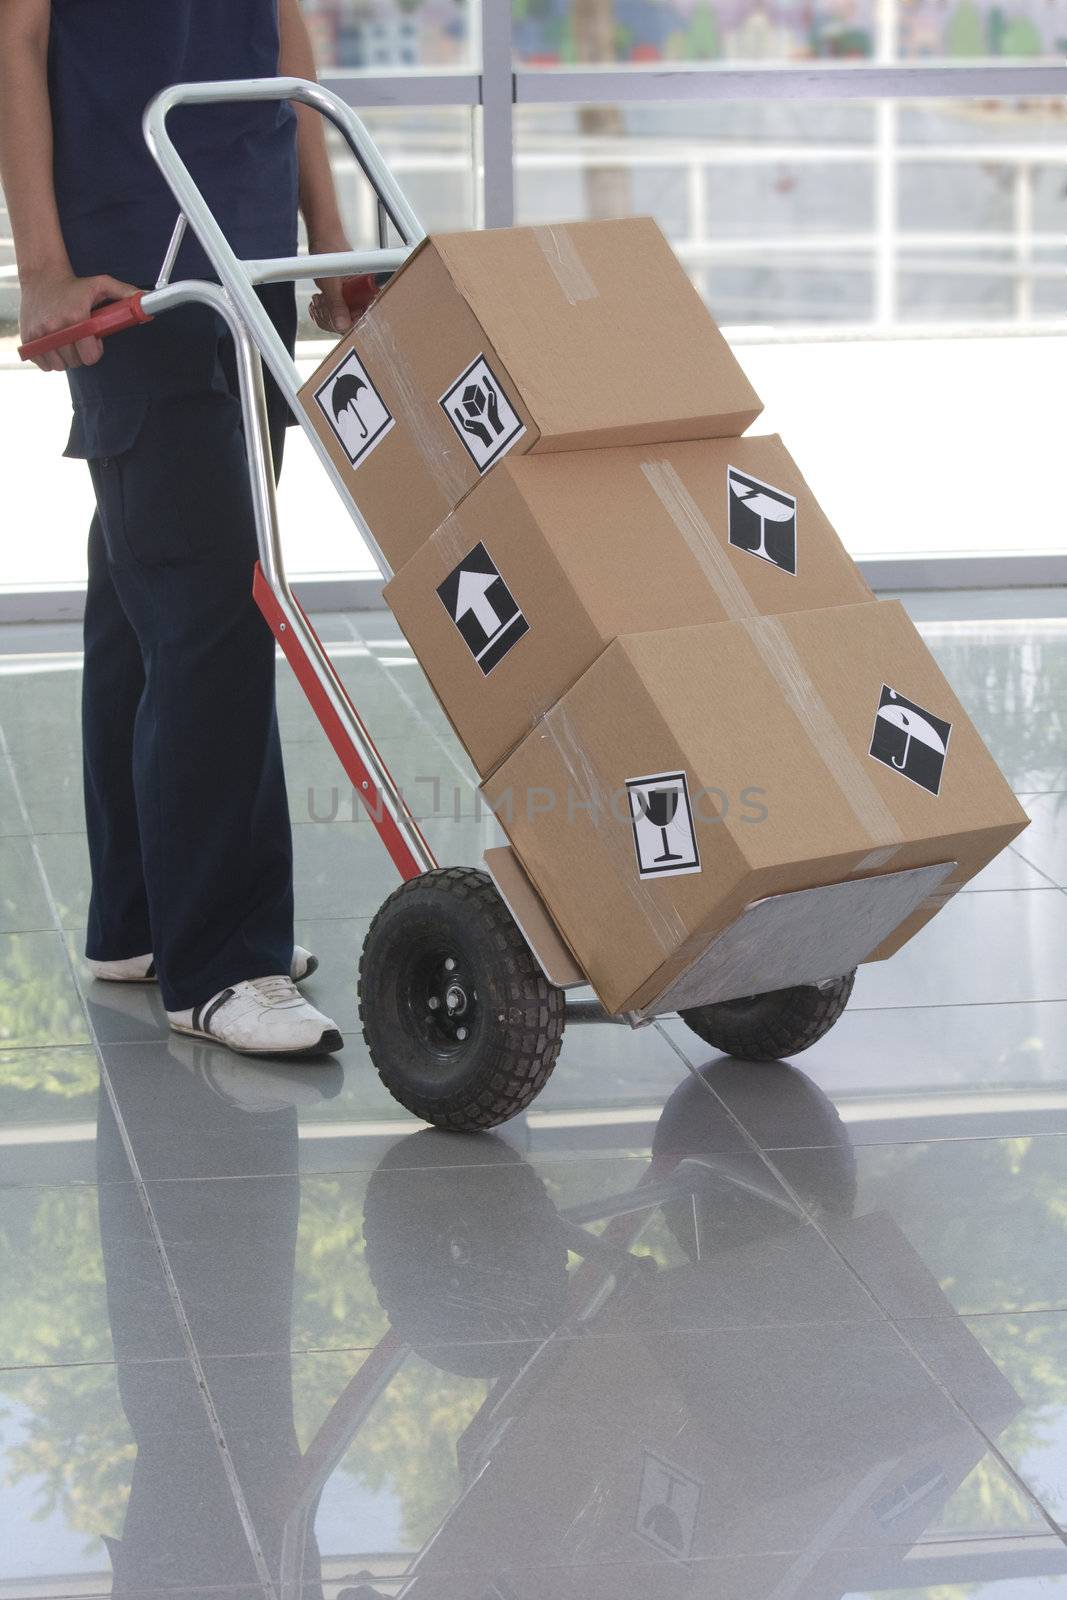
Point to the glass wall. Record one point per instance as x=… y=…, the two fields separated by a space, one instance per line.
x=564 y=32
x=894 y=225
x=389 y=35
x=431 y=151
x=795 y=213
x=382 y=35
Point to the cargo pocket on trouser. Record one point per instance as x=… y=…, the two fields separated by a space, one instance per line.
x=172 y=482
x=102 y=434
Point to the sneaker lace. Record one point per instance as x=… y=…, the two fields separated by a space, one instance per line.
x=276 y=990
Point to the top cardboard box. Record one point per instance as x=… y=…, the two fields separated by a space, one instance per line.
x=568 y=337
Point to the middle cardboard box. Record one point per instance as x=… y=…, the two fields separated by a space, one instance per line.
x=552 y=557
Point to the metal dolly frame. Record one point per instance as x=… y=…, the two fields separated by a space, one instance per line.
x=779 y=944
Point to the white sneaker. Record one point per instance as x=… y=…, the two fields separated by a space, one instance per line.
x=261 y=1017
x=142 y=969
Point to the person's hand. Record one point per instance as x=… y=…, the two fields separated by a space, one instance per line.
x=328 y=307
x=55 y=300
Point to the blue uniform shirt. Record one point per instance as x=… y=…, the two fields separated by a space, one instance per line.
x=107 y=58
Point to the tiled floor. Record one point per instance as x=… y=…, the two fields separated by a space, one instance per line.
x=688 y=1329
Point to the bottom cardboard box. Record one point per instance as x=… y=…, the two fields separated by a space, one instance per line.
x=692 y=771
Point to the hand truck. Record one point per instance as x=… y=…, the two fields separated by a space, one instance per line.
x=463 y=1008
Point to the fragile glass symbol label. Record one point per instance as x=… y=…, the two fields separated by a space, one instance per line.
x=662 y=821
x=668 y=1505
x=762 y=520
x=910 y=740
x=483 y=608
x=482 y=415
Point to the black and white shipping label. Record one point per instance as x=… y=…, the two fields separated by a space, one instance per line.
x=482 y=415
x=354 y=409
x=762 y=519
x=483 y=608
x=910 y=740
x=662 y=821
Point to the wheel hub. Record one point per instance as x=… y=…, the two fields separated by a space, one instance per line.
x=442 y=1001
x=456 y=1000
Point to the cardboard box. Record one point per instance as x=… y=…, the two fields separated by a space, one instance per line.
x=493 y=343
x=553 y=556
x=692 y=771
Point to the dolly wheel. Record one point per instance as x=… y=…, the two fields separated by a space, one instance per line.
x=766 y=1027
x=461 y=1023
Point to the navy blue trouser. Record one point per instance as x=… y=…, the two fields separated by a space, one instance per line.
x=185 y=802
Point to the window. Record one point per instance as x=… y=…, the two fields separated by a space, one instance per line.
x=890 y=269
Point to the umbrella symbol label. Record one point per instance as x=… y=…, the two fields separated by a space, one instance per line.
x=483 y=608
x=482 y=415
x=662 y=821
x=910 y=740
x=356 y=412
x=668 y=1503
x=762 y=520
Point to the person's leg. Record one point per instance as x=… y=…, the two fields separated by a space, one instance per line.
x=113 y=680
x=211 y=805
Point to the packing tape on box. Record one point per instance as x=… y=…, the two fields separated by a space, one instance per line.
x=446 y=463
x=857 y=788
x=659 y=913
x=568 y=268
x=779 y=656
x=450 y=541
x=694 y=527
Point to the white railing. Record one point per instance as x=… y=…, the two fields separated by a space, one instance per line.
x=496 y=88
x=885 y=249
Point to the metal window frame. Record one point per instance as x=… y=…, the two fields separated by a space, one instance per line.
x=492 y=89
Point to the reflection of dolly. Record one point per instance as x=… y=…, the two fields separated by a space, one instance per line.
x=462 y=1009
x=603 y=1440
x=487 y=1292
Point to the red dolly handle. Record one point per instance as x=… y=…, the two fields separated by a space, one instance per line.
x=360 y=291
x=120 y=314
x=111 y=318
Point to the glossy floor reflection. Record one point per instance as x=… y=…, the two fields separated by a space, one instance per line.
x=687 y=1329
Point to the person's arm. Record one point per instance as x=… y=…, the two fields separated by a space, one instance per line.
x=318 y=197
x=52 y=297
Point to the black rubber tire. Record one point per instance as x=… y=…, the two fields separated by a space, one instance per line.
x=768 y=1027
x=516 y=1024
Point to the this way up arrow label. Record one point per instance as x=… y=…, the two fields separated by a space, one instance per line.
x=472 y=596
x=488 y=627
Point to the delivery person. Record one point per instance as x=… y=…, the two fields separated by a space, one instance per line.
x=185 y=801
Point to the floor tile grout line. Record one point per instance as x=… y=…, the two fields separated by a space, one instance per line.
x=1006 y=1466
x=1034 y=867
x=965 y=1005
x=1015 y=848
x=185 y=1328
x=546 y=1158
x=921 y=1139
